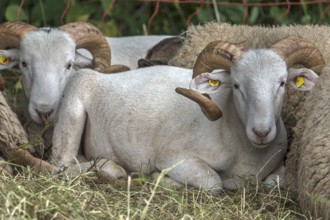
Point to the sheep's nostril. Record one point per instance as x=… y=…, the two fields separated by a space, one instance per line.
x=261 y=133
x=44 y=114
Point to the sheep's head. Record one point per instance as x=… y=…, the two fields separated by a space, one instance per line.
x=257 y=79
x=47 y=56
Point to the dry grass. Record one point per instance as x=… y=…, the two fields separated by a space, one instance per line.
x=29 y=195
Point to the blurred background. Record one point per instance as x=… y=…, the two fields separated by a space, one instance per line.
x=136 y=17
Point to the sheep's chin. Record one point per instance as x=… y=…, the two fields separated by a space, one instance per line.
x=35 y=117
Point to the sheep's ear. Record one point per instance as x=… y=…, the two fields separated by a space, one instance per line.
x=8 y=58
x=210 y=82
x=302 y=79
x=81 y=61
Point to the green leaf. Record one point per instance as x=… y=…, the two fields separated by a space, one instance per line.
x=11 y=13
x=253 y=15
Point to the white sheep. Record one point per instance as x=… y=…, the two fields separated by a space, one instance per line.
x=144 y=126
x=308 y=161
x=46 y=57
x=197 y=37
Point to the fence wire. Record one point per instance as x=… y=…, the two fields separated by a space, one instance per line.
x=201 y=4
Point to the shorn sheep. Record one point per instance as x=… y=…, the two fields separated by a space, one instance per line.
x=144 y=126
x=308 y=159
x=197 y=37
x=308 y=162
x=47 y=58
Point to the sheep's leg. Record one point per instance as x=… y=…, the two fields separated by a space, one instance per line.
x=108 y=168
x=23 y=157
x=68 y=132
x=276 y=177
x=191 y=171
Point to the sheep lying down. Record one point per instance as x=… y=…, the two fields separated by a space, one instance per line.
x=138 y=121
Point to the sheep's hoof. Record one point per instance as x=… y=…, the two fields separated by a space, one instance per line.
x=112 y=169
x=166 y=181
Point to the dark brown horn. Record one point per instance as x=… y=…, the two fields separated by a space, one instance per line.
x=216 y=55
x=213 y=112
x=89 y=37
x=11 y=33
x=296 y=50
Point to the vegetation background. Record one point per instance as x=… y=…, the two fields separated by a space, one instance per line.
x=134 y=17
x=30 y=195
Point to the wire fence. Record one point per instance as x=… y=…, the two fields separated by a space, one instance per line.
x=246 y=9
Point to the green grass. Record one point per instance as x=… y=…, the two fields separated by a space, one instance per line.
x=29 y=195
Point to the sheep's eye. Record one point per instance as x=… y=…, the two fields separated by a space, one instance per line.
x=69 y=66
x=23 y=64
x=236 y=86
x=282 y=84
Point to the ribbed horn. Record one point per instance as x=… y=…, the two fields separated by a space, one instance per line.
x=216 y=55
x=296 y=50
x=11 y=33
x=89 y=37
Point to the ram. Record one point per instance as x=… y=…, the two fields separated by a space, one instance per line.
x=144 y=126
x=197 y=37
x=47 y=58
x=308 y=164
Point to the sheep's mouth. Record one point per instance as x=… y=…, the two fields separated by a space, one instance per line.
x=260 y=144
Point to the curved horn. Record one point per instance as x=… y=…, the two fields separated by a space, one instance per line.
x=216 y=55
x=11 y=33
x=297 y=50
x=209 y=108
x=89 y=37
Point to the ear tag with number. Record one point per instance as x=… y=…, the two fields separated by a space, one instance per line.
x=214 y=83
x=300 y=81
x=4 y=60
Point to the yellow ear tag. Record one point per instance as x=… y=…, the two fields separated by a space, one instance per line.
x=4 y=60
x=300 y=81
x=214 y=83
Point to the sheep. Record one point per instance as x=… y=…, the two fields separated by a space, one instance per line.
x=254 y=37
x=16 y=148
x=47 y=58
x=144 y=126
x=128 y=50
x=308 y=164
x=51 y=68
x=14 y=142
x=162 y=52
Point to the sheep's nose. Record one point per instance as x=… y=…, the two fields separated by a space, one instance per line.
x=261 y=133
x=44 y=114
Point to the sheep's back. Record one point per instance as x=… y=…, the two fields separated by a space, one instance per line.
x=308 y=165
